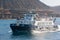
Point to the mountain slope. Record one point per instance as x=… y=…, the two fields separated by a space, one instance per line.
x=56 y=9
x=22 y=4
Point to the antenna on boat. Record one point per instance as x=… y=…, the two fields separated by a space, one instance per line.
x=54 y=19
x=17 y=19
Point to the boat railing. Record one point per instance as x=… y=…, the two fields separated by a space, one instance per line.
x=44 y=19
x=25 y=22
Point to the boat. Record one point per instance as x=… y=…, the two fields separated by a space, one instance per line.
x=45 y=24
x=34 y=23
x=24 y=24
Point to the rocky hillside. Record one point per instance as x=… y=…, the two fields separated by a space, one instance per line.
x=22 y=4
x=14 y=8
x=56 y=9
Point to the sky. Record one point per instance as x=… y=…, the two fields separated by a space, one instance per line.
x=51 y=2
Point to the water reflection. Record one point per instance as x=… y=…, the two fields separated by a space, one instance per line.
x=22 y=36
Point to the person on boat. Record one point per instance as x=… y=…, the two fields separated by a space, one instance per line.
x=18 y=21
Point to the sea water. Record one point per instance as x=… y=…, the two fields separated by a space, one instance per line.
x=6 y=33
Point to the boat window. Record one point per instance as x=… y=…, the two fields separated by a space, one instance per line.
x=28 y=16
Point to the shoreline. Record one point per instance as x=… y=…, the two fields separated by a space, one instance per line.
x=7 y=19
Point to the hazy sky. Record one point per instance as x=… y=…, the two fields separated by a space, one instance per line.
x=51 y=2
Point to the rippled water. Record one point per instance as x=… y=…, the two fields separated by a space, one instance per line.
x=5 y=33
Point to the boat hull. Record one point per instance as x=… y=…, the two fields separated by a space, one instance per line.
x=21 y=28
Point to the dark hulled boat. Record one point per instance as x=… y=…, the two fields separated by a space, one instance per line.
x=20 y=28
x=24 y=24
